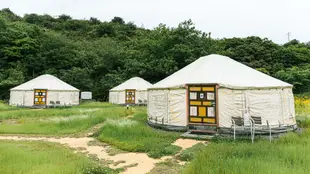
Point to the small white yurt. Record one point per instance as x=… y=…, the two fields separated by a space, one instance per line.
x=132 y=91
x=214 y=89
x=43 y=91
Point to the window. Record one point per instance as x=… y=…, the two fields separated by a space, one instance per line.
x=193 y=111
x=211 y=112
x=210 y=96
x=193 y=96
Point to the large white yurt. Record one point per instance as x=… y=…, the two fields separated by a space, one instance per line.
x=214 y=89
x=43 y=91
x=132 y=91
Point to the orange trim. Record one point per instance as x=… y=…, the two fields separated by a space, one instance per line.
x=187 y=104
x=206 y=103
x=198 y=103
x=211 y=89
x=195 y=88
x=217 y=106
x=209 y=120
x=194 y=119
x=203 y=124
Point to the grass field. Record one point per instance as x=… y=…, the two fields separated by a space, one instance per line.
x=133 y=134
x=56 y=121
x=286 y=155
x=42 y=157
x=128 y=130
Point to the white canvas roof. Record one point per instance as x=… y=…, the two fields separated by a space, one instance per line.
x=133 y=83
x=222 y=70
x=46 y=81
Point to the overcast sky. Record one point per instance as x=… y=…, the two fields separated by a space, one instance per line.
x=223 y=18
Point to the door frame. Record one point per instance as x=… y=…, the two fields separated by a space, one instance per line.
x=34 y=96
x=216 y=86
x=134 y=102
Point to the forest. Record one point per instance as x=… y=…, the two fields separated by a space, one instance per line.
x=94 y=55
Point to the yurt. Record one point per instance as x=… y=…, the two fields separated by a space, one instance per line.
x=43 y=91
x=132 y=91
x=214 y=90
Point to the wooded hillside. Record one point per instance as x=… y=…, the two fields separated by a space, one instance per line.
x=95 y=56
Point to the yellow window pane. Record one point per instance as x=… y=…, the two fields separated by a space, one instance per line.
x=208 y=120
x=195 y=88
x=206 y=103
x=195 y=102
x=208 y=88
x=192 y=119
x=202 y=111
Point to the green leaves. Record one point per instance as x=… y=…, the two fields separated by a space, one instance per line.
x=299 y=77
x=96 y=56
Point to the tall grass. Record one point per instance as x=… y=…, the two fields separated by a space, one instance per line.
x=37 y=121
x=95 y=105
x=289 y=154
x=133 y=134
x=5 y=107
x=10 y=112
x=40 y=157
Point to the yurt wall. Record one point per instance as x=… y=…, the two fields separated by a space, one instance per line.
x=169 y=107
x=22 y=98
x=64 y=97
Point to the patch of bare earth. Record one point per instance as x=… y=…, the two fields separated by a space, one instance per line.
x=133 y=163
x=187 y=143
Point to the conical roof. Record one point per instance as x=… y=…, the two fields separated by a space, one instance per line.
x=222 y=70
x=46 y=81
x=133 y=83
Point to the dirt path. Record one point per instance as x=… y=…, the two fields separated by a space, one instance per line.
x=135 y=163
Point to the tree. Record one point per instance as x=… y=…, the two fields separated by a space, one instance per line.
x=118 y=20
x=299 y=77
x=96 y=56
x=64 y=17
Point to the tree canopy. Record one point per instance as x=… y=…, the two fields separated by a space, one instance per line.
x=98 y=55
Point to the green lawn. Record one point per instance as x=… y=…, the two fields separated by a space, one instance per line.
x=128 y=130
x=57 y=121
x=133 y=134
x=289 y=154
x=42 y=157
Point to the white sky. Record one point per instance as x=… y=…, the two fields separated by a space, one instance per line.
x=223 y=18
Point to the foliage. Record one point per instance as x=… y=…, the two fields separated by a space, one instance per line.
x=96 y=55
x=302 y=108
x=299 y=77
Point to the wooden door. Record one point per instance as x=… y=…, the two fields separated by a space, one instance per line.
x=40 y=96
x=202 y=104
x=130 y=96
